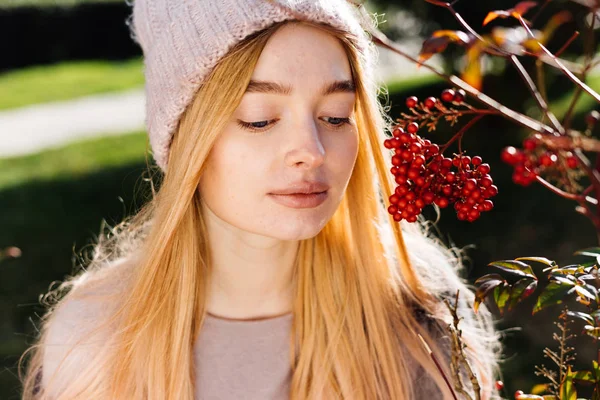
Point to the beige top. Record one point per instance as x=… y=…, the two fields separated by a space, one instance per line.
x=235 y=359
x=243 y=359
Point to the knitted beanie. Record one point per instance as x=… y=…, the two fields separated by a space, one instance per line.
x=182 y=40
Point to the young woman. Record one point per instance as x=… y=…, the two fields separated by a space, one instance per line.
x=266 y=265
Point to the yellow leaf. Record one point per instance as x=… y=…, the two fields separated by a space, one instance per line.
x=523 y=7
x=492 y=15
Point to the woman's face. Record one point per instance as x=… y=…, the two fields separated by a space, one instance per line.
x=290 y=134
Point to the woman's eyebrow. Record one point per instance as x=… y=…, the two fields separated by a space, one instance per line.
x=344 y=86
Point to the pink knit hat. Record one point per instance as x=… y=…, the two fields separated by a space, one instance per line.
x=182 y=40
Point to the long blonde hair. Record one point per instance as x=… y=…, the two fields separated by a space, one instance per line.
x=354 y=327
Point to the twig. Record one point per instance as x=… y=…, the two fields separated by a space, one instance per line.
x=565 y=70
x=461 y=132
x=537 y=96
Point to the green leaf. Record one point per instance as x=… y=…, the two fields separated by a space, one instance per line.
x=565 y=280
x=592 y=331
x=501 y=296
x=514 y=267
x=541 y=260
x=552 y=294
x=584 y=376
x=567 y=390
x=540 y=388
x=584 y=292
x=581 y=315
x=522 y=289
x=486 y=283
x=588 y=252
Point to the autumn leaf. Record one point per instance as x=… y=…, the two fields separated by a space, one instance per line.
x=516 y=12
x=486 y=284
x=552 y=294
x=514 y=267
x=439 y=41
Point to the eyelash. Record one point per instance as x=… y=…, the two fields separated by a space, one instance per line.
x=248 y=125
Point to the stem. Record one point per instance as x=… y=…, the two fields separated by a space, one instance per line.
x=566 y=195
x=520 y=119
x=567 y=43
x=589 y=47
x=438 y=365
x=541 y=82
x=571 y=142
x=536 y=95
x=564 y=69
x=461 y=132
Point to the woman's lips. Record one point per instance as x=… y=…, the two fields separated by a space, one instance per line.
x=300 y=200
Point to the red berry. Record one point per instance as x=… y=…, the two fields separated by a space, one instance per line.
x=530 y=144
x=477 y=161
x=448 y=95
x=393 y=209
x=491 y=191
x=446 y=163
x=471 y=184
x=398 y=217
x=401 y=179
x=518 y=393
x=572 y=162
x=407 y=155
x=396 y=159
x=488 y=205
x=401 y=190
x=459 y=96
x=411 y=218
x=419 y=160
x=486 y=181
x=394 y=199
x=428 y=197
x=405 y=138
x=413 y=173
x=484 y=169
x=430 y=102
x=413 y=127
x=510 y=155
x=473 y=214
x=397 y=131
x=442 y=202
x=592 y=118
x=416 y=148
x=420 y=181
x=412 y=101
x=548 y=159
x=387 y=143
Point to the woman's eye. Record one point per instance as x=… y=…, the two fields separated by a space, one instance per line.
x=262 y=125
x=338 y=122
x=254 y=126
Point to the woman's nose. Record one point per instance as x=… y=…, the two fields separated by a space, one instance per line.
x=306 y=150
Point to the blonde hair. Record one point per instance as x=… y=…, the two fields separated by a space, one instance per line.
x=354 y=323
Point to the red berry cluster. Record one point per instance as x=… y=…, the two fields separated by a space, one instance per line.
x=533 y=159
x=448 y=95
x=424 y=176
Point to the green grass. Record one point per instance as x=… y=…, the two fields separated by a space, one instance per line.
x=586 y=102
x=68 y=80
x=74 y=160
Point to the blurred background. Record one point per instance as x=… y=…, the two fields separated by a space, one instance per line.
x=73 y=152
